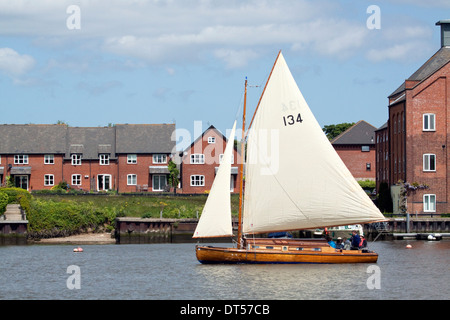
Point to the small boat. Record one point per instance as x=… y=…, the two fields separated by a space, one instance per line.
x=301 y=184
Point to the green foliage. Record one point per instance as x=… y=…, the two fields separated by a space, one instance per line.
x=367 y=184
x=173 y=174
x=18 y=195
x=3 y=201
x=333 y=130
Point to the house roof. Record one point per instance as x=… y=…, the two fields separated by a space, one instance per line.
x=437 y=61
x=361 y=133
x=144 y=138
x=89 y=141
x=32 y=138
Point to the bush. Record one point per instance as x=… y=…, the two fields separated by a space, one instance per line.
x=18 y=195
x=3 y=201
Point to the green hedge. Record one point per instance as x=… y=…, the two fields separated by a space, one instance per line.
x=18 y=195
x=48 y=218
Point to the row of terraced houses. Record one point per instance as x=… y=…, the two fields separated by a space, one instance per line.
x=124 y=157
x=412 y=146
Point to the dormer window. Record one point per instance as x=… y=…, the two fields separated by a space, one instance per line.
x=104 y=159
x=76 y=159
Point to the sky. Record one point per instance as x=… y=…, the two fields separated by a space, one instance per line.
x=102 y=62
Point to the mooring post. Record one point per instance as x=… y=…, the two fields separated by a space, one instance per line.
x=407 y=222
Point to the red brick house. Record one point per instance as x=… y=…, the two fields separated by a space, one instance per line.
x=200 y=162
x=418 y=133
x=356 y=147
x=126 y=158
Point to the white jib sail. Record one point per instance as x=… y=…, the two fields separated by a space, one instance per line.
x=294 y=177
x=215 y=220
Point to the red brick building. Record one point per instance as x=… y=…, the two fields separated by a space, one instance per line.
x=126 y=158
x=356 y=147
x=200 y=162
x=418 y=133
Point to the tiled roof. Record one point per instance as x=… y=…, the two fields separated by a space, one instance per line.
x=361 y=133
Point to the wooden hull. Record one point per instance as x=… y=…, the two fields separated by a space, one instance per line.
x=289 y=252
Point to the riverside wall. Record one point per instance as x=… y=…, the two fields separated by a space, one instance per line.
x=150 y=230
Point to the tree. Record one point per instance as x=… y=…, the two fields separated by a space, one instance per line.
x=333 y=130
x=173 y=175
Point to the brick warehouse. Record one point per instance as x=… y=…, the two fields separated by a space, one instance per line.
x=125 y=157
x=413 y=145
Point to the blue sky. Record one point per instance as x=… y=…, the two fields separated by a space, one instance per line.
x=166 y=61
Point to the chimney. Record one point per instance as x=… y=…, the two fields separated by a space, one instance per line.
x=445 y=32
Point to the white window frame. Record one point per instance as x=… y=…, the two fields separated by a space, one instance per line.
x=197 y=158
x=221 y=157
x=427 y=161
x=160 y=158
x=49 y=159
x=428 y=204
x=211 y=140
x=197 y=180
x=49 y=180
x=76 y=159
x=21 y=159
x=131 y=179
x=104 y=159
x=131 y=158
x=429 y=122
x=76 y=180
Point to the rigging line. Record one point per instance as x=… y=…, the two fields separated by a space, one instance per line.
x=281 y=186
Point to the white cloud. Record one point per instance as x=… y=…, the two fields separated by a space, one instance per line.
x=13 y=63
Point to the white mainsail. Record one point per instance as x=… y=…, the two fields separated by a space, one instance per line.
x=215 y=220
x=294 y=177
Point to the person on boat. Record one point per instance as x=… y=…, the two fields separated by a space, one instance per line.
x=331 y=242
x=355 y=240
x=347 y=244
x=363 y=243
x=339 y=243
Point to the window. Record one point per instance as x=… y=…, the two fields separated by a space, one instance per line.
x=365 y=149
x=132 y=158
x=368 y=166
x=159 y=158
x=197 y=158
x=49 y=180
x=49 y=159
x=76 y=159
x=429 y=122
x=104 y=159
x=76 y=179
x=221 y=157
x=429 y=162
x=429 y=203
x=132 y=179
x=197 y=181
x=211 y=139
x=21 y=159
x=159 y=182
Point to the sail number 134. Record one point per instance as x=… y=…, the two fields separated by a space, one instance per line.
x=292 y=119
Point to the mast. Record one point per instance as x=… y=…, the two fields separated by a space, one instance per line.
x=241 y=171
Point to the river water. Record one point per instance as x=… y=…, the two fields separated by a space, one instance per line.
x=171 y=272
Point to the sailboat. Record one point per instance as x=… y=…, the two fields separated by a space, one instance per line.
x=294 y=180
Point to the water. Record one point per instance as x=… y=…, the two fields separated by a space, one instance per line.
x=171 y=272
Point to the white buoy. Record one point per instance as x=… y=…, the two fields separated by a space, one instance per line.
x=408 y=246
x=79 y=249
x=430 y=237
